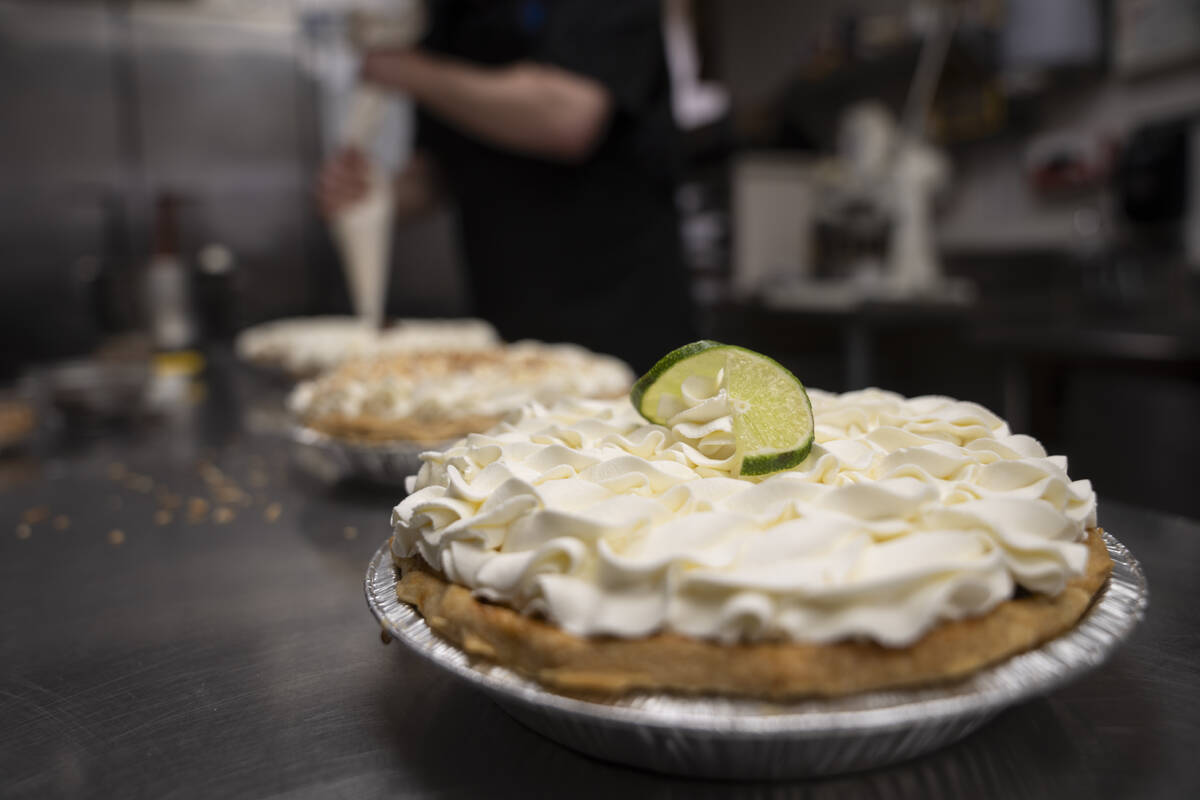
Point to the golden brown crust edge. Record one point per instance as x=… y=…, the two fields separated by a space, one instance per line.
x=383 y=430
x=775 y=670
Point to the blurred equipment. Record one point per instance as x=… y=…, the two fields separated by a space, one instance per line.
x=216 y=278
x=1191 y=233
x=847 y=230
x=1067 y=162
x=1154 y=34
x=773 y=207
x=363 y=232
x=167 y=284
x=919 y=173
x=856 y=219
x=1152 y=175
x=871 y=206
x=1145 y=272
x=1040 y=36
x=694 y=103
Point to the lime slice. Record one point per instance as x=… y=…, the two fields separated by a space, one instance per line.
x=772 y=416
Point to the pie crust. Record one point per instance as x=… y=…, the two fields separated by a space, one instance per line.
x=368 y=429
x=774 y=670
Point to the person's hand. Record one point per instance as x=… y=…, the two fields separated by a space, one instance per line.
x=342 y=182
x=395 y=68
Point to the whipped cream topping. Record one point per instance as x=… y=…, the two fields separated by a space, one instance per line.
x=907 y=512
x=308 y=345
x=491 y=383
x=436 y=335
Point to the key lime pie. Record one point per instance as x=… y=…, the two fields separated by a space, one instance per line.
x=727 y=532
x=306 y=346
x=434 y=396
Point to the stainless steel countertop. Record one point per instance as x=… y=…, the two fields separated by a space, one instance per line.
x=216 y=657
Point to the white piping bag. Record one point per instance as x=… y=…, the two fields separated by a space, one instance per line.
x=363 y=231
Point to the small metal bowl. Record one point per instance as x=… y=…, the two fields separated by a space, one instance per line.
x=93 y=390
x=734 y=738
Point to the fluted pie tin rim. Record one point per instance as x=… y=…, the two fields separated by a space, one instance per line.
x=723 y=737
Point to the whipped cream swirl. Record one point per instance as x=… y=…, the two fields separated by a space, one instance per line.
x=906 y=513
x=309 y=345
x=491 y=383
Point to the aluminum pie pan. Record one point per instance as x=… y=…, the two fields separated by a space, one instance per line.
x=275 y=373
x=736 y=738
x=333 y=459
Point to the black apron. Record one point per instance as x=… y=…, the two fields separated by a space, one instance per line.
x=586 y=253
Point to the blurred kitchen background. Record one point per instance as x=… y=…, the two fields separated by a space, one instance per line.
x=993 y=199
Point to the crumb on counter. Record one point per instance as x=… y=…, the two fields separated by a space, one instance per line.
x=34 y=515
x=222 y=515
x=116 y=537
x=139 y=483
x=162 y=517
x=210 y=473
x=197 y=509
x=61 y=522
x=272 y=512
x=350 y=532
x=24 y=531
x=231 y=494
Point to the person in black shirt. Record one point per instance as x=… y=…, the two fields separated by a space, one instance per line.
x=549 y=123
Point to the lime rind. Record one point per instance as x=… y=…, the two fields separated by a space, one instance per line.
x=775 y=462
x=656 y=382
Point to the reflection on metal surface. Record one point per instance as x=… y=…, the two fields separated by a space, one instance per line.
x=331 y=460
x=92 y=389
x=745 y=738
